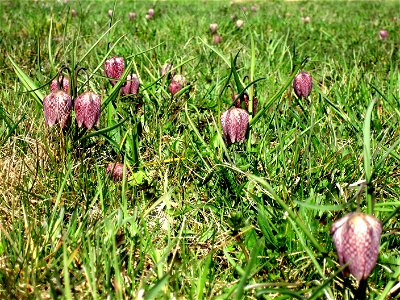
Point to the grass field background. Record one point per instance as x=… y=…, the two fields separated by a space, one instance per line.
x=196 y=218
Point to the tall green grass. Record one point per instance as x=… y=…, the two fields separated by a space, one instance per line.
x=197 y=219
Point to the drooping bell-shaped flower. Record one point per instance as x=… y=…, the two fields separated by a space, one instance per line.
x=213 y=27
x=234 y=123
x=114 y=68
x=356 y=237
x=239 y=23
x=57 y=108
x=110 y=13
x=177 y=83
x=151 y=13
x=383 y=34
x=217 y=39
x=166 y=68
x=116 y=171
x=132 y=16
x=254 y=8
x=73 y=13
x=87 y=109
x=131 y=87
x=62 y=81
x=302 y=84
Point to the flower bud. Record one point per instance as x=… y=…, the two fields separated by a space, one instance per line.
x=305 y=20
x=57 y=108
x=64 y=82
x=356 y=237
x=254 y=8
x=166 y=68
x=116 y=171
x=87 y=109
x=234 y=123
x=217 y=39
x=73 y=12
x=114 y=68
x=131 y=87
x=239 y=23
x=151 y=13
x=302 y=84
x=132 y=16
x=383 y=34
x=213 y=27
x=110 y=13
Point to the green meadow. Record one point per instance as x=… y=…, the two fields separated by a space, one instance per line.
x=195 y=217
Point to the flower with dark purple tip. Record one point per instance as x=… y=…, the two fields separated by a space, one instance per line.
x=87 y=109
x=131 y=87
x=57 y=108
x=234 y=123
x=114 y=68
x=356 y=237
x=302 y=84
x=151 y=12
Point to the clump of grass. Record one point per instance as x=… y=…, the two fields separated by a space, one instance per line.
x=193 y=217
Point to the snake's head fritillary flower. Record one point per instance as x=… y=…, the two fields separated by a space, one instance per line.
x=306 y=19
x=73 y=12
x=217 y=39
x=239 y=23
x=383 y=34
x=234 y=123
x=302 y=84
x=174 y=87
x=62 y=82
x=110 y=13
x=254 y=8
x=166 y=68
x=57 y=108
x=177 y=83
x=213 y=27
x=132 y=16
x=356 y=237
x=87 y=109
x=150 y=13
x=116 y=171
x=114 y=68
x=131 y=87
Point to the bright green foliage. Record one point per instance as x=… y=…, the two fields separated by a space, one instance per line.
x=196 y=218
